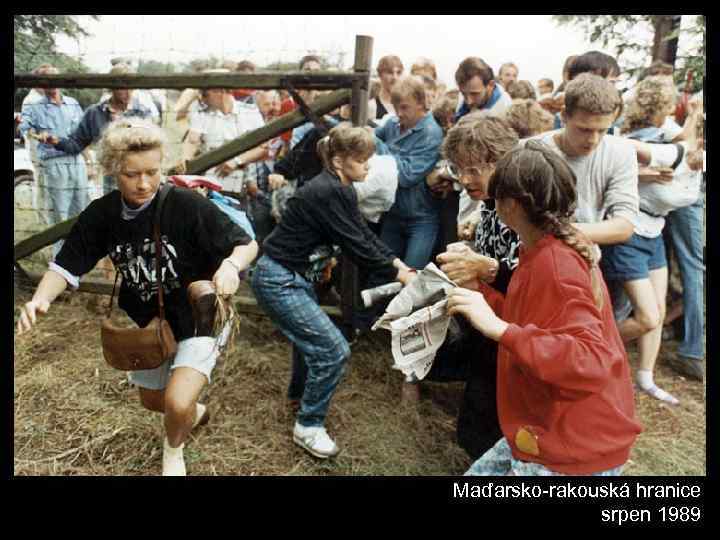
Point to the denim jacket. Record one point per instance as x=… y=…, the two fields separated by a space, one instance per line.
x=94 y=120
x=416 y=152
x=59 y=120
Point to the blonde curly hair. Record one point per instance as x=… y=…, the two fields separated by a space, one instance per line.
x=521 y=90
x=478 y=137
x=128 y=136
x=528 y=118
x=654 y=95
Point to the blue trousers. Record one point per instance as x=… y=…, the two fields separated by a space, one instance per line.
x=686 y=231
x=319 y=349
x=412 y=240
x=66 y=189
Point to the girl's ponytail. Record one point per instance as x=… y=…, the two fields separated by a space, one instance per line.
x=564 y=231
x=323 y=150
x=346 y=140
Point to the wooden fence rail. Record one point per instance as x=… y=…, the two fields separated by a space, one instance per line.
x=354 y=89
x=243 y=304
x=319 y=80
x=322 y=105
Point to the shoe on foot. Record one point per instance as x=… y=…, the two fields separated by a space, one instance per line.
x=202 y=301
x=659 y=393
x=173 y=460
x=690 y=367
x=202 y=415
x=315 y=440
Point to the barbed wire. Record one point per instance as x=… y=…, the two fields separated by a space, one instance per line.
x=34 y=204
x=284 y=55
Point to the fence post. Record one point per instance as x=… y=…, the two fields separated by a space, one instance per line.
x=350 y=291
x=363 y=59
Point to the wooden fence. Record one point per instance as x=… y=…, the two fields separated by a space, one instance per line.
x=350 y=87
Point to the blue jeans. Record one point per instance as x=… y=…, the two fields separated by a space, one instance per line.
x=67 y=190
x=499 y=461
x=412 y=240
x=686 y=231
x=290 y=302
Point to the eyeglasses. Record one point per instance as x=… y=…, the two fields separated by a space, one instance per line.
x=473 y=172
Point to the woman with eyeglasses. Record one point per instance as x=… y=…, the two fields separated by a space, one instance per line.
x=473 y=147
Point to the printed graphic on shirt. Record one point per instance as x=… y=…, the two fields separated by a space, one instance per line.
x=136 y=263
x=494 y=239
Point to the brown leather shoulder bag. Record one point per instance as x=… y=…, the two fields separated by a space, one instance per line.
x=131 y=349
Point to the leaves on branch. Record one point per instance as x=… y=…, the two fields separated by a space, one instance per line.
x=615 y=30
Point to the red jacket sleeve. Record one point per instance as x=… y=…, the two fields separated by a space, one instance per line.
x=494 y=298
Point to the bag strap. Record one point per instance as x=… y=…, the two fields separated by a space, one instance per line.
x=117 y=274
x=162 y=195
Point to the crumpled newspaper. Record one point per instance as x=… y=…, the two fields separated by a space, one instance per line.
x=418 y=320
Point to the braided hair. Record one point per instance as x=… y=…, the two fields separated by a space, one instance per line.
x=544 y=185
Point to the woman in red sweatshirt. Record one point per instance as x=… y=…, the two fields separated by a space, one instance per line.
x=565 y=397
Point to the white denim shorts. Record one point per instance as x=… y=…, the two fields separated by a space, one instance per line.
x=198 y=353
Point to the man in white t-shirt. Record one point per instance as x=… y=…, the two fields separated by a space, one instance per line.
x=216 y=122
x=605 y=165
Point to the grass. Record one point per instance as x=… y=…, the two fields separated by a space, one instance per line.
x=74 y=415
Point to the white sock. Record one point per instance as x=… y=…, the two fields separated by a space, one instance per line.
x=199 y=411
x=645 y=378
x=173 y=460
x=647 y=384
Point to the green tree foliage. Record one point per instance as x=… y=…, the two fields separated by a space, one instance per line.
x=157 y=67
x=213 y=62
x=34 y=44
x=200 y=64
x=293 y=66
x=613 y=30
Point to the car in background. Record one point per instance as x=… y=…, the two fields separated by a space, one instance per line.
x=23 y=168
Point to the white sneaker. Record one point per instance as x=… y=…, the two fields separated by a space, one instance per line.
x=173 y=460
x=315 y=440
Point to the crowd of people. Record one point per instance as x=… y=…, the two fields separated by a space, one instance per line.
x=553 y=209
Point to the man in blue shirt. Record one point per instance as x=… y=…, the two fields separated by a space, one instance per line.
x=476 y=82
x=66 y=182
x=413 y=138
x=121 y=103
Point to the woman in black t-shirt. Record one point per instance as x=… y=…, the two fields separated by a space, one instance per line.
x=321 y=215
x=198 y=242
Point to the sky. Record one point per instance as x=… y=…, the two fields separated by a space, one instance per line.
x=533 y=42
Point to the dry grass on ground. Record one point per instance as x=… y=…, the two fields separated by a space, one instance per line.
x=74 y=415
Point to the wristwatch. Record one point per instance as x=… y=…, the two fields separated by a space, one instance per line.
x=239 y=163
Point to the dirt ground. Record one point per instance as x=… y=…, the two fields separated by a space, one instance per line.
x=74 y=415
